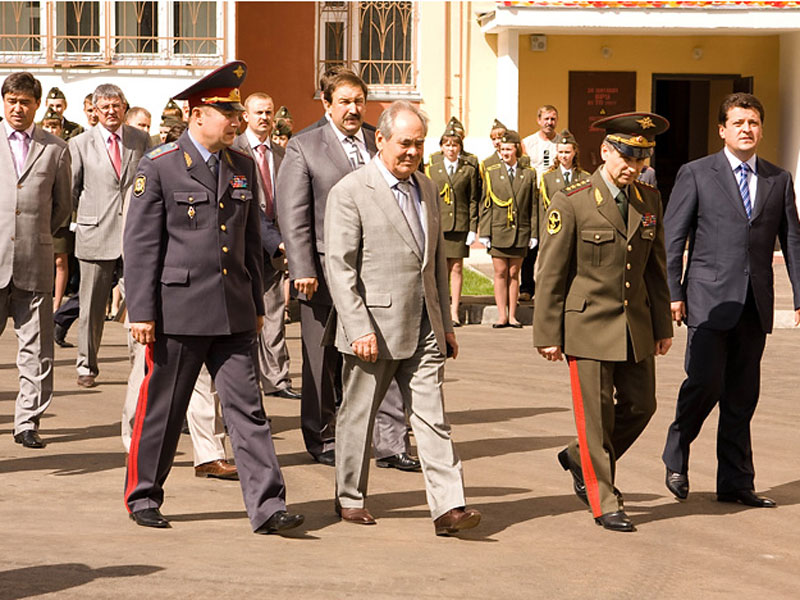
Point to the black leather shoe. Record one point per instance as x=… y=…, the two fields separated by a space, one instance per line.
x=678 y=484
x=748 y=498
x=327 y=458
x=616 y=521
x=29 y=438
x=150 y=517
x=60 y=335
x=280 y=521
x=400 y=461
x=287 y=393
x=577 y=475
x=499 y=325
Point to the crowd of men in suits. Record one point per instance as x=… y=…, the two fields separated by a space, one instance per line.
x=214 y=210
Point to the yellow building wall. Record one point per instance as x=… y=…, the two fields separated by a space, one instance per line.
x=544 y=76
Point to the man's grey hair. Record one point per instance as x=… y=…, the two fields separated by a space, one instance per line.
x=388 y=116
x=108 y=90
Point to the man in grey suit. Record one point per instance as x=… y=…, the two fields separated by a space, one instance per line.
x=315 y=161
x=731 y=206
x=34 y=202
x=104 y=161
x=387 y=276
x=256 y=141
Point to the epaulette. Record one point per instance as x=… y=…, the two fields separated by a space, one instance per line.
x=492 y=167
x=646 y=185
x=551 y=169
x=162 y=150
x=470 y=159
x=577 y=187
x=240 y=152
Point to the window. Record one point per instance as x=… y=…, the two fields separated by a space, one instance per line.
x=375 y=39
x=108 y=34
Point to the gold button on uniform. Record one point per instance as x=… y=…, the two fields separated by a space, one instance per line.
x=225 y=249
x=191 y=199
x=627 y=284
x=630 y=247
x=223 y=227
x=625 y=303
x=628 y=266
x=597 y=236
x=225 y=272
x=221 y=205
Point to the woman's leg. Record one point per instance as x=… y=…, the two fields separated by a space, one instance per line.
x=501 y=288
x=456 y=268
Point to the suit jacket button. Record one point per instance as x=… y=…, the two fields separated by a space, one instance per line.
x=19 y=186
x=630 y=248
x=225 y=272
x=223 y=227
x=225 y=249
x=18 y=212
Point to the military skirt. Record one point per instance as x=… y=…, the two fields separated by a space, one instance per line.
x=455 y=244
x=512 y=252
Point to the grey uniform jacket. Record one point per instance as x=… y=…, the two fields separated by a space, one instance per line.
x=192 y=247
x=32 y=208
x=378 y=279
x=315 y=161
x=98 y=194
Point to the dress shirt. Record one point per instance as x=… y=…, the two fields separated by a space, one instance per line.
x=204 y=152
x=391 y=181
x=107 y=134
x=752 y=176
x=448 y=165
x=254 y=144
x=360 y=143
x=14 y=143
x=610 y=185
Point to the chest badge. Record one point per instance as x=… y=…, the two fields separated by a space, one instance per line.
x=648 y=220
x=239 y=182
x=554 y=222
x=191 y=212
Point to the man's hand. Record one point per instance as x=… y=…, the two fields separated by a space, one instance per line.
x=663 y=346
x=678 y=311
x=307 y=286
x=259 y=323
x=450 y=338
x=144 y=332
x=366 y=347
x=550 y=352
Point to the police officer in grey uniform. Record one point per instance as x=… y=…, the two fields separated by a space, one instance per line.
x=193 y=263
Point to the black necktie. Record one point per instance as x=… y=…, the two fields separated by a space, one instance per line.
x=511 y=174
x=566 y=177
x=212 y=165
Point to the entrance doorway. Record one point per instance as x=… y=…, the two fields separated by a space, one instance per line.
x=690 y=103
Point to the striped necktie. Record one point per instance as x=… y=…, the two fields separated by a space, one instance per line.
x=744 y=188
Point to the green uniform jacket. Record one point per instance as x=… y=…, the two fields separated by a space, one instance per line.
x=598 y=283
x=553 y=181
x=70 y=130
x=459 y=195
x=509 y=216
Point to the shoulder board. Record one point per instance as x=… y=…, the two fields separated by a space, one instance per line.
x=577 y=187
x=239 y=152
x=551 y=169
x=493 y=167
x=470 y=159
x=162 y=150
x=646 y=185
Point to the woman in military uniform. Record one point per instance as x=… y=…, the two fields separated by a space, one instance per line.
x=456 y=178
x=566 y=170
x=509 y=223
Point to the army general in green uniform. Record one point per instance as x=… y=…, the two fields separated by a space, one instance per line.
x=603 y=301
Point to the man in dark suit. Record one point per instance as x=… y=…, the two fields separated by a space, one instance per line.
x=193 y=249
x=315 y=161
x=256 y=141
x=730 y=206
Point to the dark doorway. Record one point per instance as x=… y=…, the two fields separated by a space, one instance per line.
x=690 y=102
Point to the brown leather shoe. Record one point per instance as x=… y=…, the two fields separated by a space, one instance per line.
x=219 y=469
x=86 y=381
x=455 y=520
x=359 y=516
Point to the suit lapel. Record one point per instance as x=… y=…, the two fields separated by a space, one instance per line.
x=385 y=200
x=34 y=151
x=334 y=151
x=195 y=165
x=726 y=181
x=6 y=156
x=500 y=184
x=102 y=152
x=127 y=151
x=606 y=205
x=519 y=177
x=429 y=213
x=763 y=190
x=369 y=140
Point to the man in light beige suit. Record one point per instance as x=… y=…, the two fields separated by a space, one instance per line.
x=104 y=161
x=34 y=202
x=387 y=274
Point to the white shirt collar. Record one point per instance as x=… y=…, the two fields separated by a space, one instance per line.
x=563 y=170
x=107 y=134
x=448 y=164
x=359 y=135
x=254 y=141
x=391 y=180
x=10 y=129
x=735 y=162
x=609 y=184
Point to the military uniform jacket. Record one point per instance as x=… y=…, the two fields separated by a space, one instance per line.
x=553 y=181
x=600 y=281
x=192 y=247
x=69 y=129
x=459 y=195
x=509 y=216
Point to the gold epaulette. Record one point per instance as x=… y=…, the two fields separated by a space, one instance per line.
x=577 y=187
x=647 y=185
x=551 y=169
x=162 y=150
x=492 y=167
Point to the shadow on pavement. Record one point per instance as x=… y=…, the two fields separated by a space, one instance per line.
x=472 y=449
x=26 y=582
x=498 y=415
x=66 y=464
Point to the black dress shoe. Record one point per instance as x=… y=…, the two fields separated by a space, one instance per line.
x=748 y=498
x=29 y=438
x=287 y=393
x=577 y=475
x=327 y=458
x=499 y=325
x=615 y=521
x=280 y=521
x=400 y=461
x=678 y=484
x=60 y=335
x=150 y=517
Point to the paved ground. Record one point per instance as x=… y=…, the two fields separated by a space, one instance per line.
x=64 y=532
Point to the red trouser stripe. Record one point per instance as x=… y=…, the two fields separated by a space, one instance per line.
x=589 y=477
x=138 y=422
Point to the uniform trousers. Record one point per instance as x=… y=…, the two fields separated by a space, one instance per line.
x=32 y=313
x=172 y=365
x=722 y=366
x=527 y=283
x=420 y=380
x=97 y=279
x=206 y=427
x=272 y=353
x=606 y=429
x=318 y=404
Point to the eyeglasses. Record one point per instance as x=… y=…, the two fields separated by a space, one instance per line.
x=113 y=107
